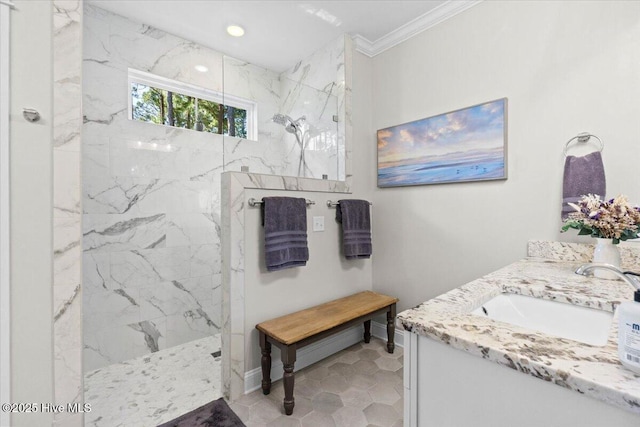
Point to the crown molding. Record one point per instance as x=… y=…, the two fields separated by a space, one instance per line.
x=423 y=22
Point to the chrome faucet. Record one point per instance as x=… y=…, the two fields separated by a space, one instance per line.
x=628 y=276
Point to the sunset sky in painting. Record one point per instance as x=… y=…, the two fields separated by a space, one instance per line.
x=470 y=129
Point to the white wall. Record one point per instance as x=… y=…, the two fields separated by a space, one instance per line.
x=566 y=67
x=327 y=275
x=5 y=284
x=363 y=144
x=31 y=217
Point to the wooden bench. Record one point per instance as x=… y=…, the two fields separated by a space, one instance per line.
x=302 y=328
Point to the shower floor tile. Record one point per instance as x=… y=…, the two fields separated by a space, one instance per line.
x=155 y=388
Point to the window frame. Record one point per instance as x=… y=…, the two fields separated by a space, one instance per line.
x=153 y=80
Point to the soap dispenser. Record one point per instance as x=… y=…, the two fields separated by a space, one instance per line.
x=629 y=333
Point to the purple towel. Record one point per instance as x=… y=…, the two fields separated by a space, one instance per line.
x=285 y=232
x=356 y=228
x=582 y=175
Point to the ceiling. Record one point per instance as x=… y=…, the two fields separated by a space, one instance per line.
x=280 y=33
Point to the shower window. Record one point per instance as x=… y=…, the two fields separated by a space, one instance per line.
x=158 y=100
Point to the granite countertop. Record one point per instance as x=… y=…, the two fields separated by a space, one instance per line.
x=547 y=273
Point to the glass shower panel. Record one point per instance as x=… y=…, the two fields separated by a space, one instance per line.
x=295 y=116
x=150 y=193
x=312 y=140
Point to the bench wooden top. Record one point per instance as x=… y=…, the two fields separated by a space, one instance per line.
x=297 y=326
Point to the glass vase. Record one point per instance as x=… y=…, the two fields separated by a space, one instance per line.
x=606 y=252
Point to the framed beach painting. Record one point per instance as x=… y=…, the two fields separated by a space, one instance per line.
x=465 y=145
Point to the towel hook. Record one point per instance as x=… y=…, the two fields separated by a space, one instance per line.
x=30 y=115
x=583 y=137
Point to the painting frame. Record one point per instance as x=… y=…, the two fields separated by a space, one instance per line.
x=464 y=145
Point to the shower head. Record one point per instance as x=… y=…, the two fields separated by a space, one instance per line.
x=289 y=124
x=286 y=121
x=281 y=119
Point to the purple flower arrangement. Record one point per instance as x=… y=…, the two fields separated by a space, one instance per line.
x=612 y=219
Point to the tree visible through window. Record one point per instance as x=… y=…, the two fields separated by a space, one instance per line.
x=166 y=107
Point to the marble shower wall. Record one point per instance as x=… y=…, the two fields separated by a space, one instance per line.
x=267 y=154
x=67 y=214
x=151 y=199
x=314 y=87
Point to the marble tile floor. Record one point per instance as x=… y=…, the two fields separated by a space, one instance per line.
x=359 y=386
x=155 y=388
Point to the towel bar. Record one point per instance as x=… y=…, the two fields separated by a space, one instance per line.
x=331 y=204
x=253 y=202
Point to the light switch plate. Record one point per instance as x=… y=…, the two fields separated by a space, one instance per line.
x=318 y=223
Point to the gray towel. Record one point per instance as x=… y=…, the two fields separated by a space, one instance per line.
x=582 y=175
x=285 y=232
x=356 y=228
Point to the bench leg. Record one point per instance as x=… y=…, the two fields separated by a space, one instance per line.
x=367 y=331
x=265 y=345
x=391 y=317
x=288 y=360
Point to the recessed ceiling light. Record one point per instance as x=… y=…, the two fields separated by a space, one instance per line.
x=235 y=30
x=201 y=68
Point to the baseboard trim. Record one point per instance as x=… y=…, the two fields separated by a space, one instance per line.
x=318 y=351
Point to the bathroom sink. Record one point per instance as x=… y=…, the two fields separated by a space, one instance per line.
x=586 y=325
